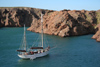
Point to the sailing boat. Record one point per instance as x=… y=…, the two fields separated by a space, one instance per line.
x=35 y=52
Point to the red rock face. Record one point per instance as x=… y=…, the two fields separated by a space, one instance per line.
x=17 y=17
x=65 y=23
x=62 y=23
x=97 y=34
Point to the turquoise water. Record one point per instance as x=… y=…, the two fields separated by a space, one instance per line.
x=79 y=51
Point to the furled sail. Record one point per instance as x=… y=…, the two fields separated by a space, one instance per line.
x=36 y=48
x=21 y=50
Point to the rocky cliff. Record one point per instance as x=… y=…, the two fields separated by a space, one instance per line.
x=66 y=23
x=17 y=16
x=62 y=23
x=97 y=34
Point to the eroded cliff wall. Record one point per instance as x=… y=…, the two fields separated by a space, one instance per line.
x=67 y=23
x=62 y=23
x=18 y=16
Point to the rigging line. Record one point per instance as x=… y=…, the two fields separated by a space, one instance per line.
x=46 y=41
x=22 y=43
x=45 y=44
x=34 y=43
x=40 y=40
x=53 y=47
x=21 y=46
x=26 y=44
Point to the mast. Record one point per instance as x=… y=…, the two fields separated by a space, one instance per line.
x=24 y=38
x=42 y=28
x=24 y=42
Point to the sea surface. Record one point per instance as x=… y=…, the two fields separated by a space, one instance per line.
x=77 y=51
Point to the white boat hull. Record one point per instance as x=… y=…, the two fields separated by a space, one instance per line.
x=23 y=56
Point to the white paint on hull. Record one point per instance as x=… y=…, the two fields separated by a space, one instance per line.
x=23 y=56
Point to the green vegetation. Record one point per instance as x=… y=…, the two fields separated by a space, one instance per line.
x=50 y=13
x=98 y=17
x=88 y=17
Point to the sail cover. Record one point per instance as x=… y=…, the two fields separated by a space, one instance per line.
x=36 y=48
x=21 y=50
